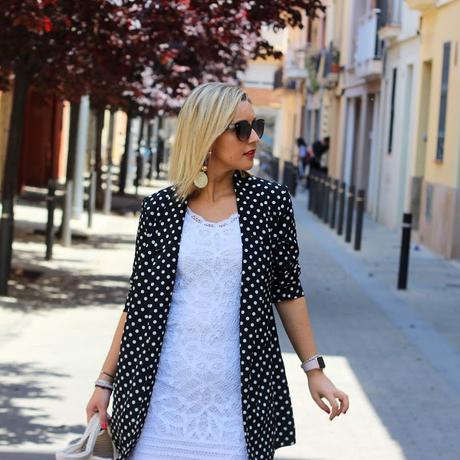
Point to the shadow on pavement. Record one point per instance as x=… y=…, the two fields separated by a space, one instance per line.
x=64 y=289
x=6 y=455
x=18 y=413
x=29 y=231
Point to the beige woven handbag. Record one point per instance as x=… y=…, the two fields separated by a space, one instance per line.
x=94 y=444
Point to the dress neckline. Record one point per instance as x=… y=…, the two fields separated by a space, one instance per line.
x=221 y=223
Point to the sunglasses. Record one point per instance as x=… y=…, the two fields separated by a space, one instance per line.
x=243 y=128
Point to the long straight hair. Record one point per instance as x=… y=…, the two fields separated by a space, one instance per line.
x=205 y=115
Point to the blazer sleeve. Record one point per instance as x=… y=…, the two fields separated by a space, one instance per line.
x=139 y=256
x=286 y=284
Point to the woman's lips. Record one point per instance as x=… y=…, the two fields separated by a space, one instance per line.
x=250 y=153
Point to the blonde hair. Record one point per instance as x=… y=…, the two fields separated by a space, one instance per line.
x=205 y=115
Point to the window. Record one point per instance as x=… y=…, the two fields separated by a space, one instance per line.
x=443 y=101
x=392 y=109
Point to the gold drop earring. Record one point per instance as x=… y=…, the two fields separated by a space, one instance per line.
x=201 y=179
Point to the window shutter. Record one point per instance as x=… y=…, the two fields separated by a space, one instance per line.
x=443 y=101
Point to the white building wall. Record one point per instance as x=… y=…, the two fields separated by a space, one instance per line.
x=259 y=74
x=394 y=173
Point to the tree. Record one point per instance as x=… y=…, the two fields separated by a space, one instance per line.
x=145 y=55
x=57 y=46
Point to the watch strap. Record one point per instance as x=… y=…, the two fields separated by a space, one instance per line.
x=316 y=362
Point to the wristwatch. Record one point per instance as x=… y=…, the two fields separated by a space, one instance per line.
x=315 y=362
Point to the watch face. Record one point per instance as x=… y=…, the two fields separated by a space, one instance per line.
x=321 y=362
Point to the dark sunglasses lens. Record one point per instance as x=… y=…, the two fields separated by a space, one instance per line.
x=243 y=130
x=259 y=126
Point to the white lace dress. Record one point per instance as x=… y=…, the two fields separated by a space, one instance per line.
x=195 y=410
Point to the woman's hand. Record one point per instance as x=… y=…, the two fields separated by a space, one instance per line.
x=321 y=387
x=99 y=402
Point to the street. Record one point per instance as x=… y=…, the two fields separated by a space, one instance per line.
x=396 y=354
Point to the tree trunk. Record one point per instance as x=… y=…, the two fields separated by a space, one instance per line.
x=72 y=148
x=108 y=177
x=80 y=158
x=64 y=229
x=10 y=175
x=98 y=157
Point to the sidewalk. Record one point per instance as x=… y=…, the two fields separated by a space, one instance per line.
x=57 y=325
x=396 y=354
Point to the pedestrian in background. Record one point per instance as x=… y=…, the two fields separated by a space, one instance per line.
x=195 y=364
x=319 y=148
x=302 y=156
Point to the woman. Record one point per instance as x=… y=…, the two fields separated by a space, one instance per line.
x=302 y=159
x=195 y=359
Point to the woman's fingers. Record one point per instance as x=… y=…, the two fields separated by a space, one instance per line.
x=103 y=417
x=331 y=397
x=334 y=405
x=321 y=403
x=344 y=401
x=91 y=409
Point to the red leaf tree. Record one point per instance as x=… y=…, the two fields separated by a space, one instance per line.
x=146 y=54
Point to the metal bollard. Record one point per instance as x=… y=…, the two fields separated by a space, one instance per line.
x=327 y=195
x=91 y=197
x=342 y=190
x=51 y=205
x=323 y=195
x=107 y=206
x=6 y=236
x=319 y=195
x=405 y=248
x=335 y=186
x=293 y=180
x=310 y=194
x=315 y=191
x=359 y=219
x=66 y=236
x=350 y=205
x=287 y=176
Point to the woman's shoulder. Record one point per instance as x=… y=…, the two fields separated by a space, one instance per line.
x=152 y=201
x=268 y=187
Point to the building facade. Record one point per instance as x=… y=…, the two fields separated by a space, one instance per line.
x=435 y=162
x=389 y=195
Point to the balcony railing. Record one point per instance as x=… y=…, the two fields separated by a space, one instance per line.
x=295 y=64
x=389 y=21
x=368 y=51
x=331 y=69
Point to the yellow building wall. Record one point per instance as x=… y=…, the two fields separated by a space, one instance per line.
x=119 y=134
x=439 y=26
x=291 y=115
x=440 y=231
x=291 y=103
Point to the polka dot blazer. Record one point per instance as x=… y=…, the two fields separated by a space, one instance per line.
x=270 y=273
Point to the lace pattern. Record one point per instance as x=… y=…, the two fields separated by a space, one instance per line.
x=197 y=218
x=195 y=410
